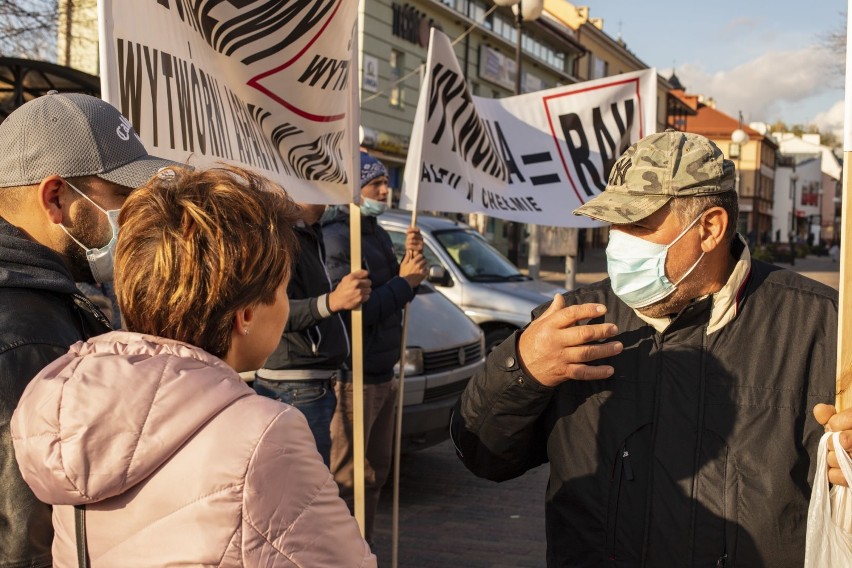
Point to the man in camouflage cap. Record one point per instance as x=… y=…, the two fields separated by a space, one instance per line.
x=690 y=440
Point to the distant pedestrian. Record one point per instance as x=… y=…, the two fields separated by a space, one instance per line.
x=311 y=356
x=147 y=440
x=67 y=163
x=834 y=252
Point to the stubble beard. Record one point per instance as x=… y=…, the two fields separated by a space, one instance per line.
x=86 y=231
x=684 y=294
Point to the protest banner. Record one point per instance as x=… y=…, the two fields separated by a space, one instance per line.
x=530 y=158
x=261 y=84
x=268 y=85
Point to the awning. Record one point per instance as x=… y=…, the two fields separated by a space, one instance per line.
x=22 y=80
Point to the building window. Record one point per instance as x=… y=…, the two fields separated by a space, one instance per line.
x=397 y=92
x=597 y=67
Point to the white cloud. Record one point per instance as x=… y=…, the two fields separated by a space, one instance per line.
x=832 y=119
x=764 y=86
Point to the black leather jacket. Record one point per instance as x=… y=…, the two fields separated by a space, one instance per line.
x=699 y=451
x=41 y=315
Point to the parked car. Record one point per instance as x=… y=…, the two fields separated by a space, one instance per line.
x=473 y=274
x=444 y=350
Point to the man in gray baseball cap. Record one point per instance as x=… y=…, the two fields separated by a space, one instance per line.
x=67 y=163
x=672 y=400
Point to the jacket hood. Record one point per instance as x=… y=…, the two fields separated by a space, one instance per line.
x=105 y=416
x=335 y=214
x=340 y=214
x=27 y=264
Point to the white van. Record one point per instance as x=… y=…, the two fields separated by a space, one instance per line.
x=465 y=268
x=445 y=349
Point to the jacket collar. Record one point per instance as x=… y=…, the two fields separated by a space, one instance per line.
x=25 y=263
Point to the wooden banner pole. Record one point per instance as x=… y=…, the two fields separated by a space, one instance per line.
x=357 y=371
x=397 y=443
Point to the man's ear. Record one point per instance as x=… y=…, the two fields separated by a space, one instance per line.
x=712 y=228
x=53 y=199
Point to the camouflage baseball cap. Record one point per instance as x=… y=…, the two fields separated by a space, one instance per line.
x=654 y=170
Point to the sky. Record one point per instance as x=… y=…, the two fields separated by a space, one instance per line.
x=766 y=58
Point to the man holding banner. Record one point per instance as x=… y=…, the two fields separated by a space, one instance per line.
x=690 y=441
x=393 y=286
x=315 y=344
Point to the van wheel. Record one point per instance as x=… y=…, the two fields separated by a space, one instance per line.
x=495 y=337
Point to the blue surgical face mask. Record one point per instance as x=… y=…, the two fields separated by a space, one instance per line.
x=100 y=259
x=637 y=268
x=372 y=207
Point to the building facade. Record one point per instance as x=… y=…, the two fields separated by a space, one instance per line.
x=394 y=41
x=825 y=221
x=755 y=161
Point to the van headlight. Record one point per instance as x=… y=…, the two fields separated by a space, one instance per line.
x=413 y=362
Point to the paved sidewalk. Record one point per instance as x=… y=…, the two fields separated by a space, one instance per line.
x=450 y=518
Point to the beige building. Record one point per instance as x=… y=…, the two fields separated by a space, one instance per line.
x=77 y=36
x=755 y=161
x=606 y=56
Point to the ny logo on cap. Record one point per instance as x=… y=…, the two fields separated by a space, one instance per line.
x=619 y=171
x=124 y=129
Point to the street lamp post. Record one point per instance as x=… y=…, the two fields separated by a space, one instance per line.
x=794 y=177
x=525 y=10
x=739 y=137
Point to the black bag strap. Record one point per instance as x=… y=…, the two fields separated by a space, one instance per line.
x=80 y=529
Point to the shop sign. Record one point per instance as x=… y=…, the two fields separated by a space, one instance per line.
x=370 y=81
x=411 y=24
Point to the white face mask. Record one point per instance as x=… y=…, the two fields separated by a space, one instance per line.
x=637 y=268
x=100 y=259
x=373 y=207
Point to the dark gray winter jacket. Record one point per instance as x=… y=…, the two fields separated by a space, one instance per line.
x=41 y=315
x=390 y=292
x=699 y=451
x=312 y=339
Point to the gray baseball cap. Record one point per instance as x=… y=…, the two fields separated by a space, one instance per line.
x=72 y=135
x=656 y=169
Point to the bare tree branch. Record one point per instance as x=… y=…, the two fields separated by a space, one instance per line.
x=28 y=28
x=834 y=42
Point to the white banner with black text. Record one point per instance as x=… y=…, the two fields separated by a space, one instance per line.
x=531 y=158
x=262 y=84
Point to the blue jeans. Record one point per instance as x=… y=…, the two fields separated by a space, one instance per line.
x=315 y=399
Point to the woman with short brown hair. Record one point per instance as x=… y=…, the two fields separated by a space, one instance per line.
x=174 y=458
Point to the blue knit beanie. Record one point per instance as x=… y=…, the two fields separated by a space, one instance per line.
x=371 y=168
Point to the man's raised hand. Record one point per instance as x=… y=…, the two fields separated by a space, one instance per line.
x=553 y=348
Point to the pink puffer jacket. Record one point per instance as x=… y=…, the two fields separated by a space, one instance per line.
x=178 y=463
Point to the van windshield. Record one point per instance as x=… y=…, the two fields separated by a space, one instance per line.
x=479 y=261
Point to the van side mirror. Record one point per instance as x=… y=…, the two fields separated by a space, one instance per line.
x=439 y=276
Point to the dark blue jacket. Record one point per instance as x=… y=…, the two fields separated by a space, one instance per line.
x=383 y=311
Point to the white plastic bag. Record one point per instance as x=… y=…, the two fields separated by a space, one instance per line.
x=829 y=536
